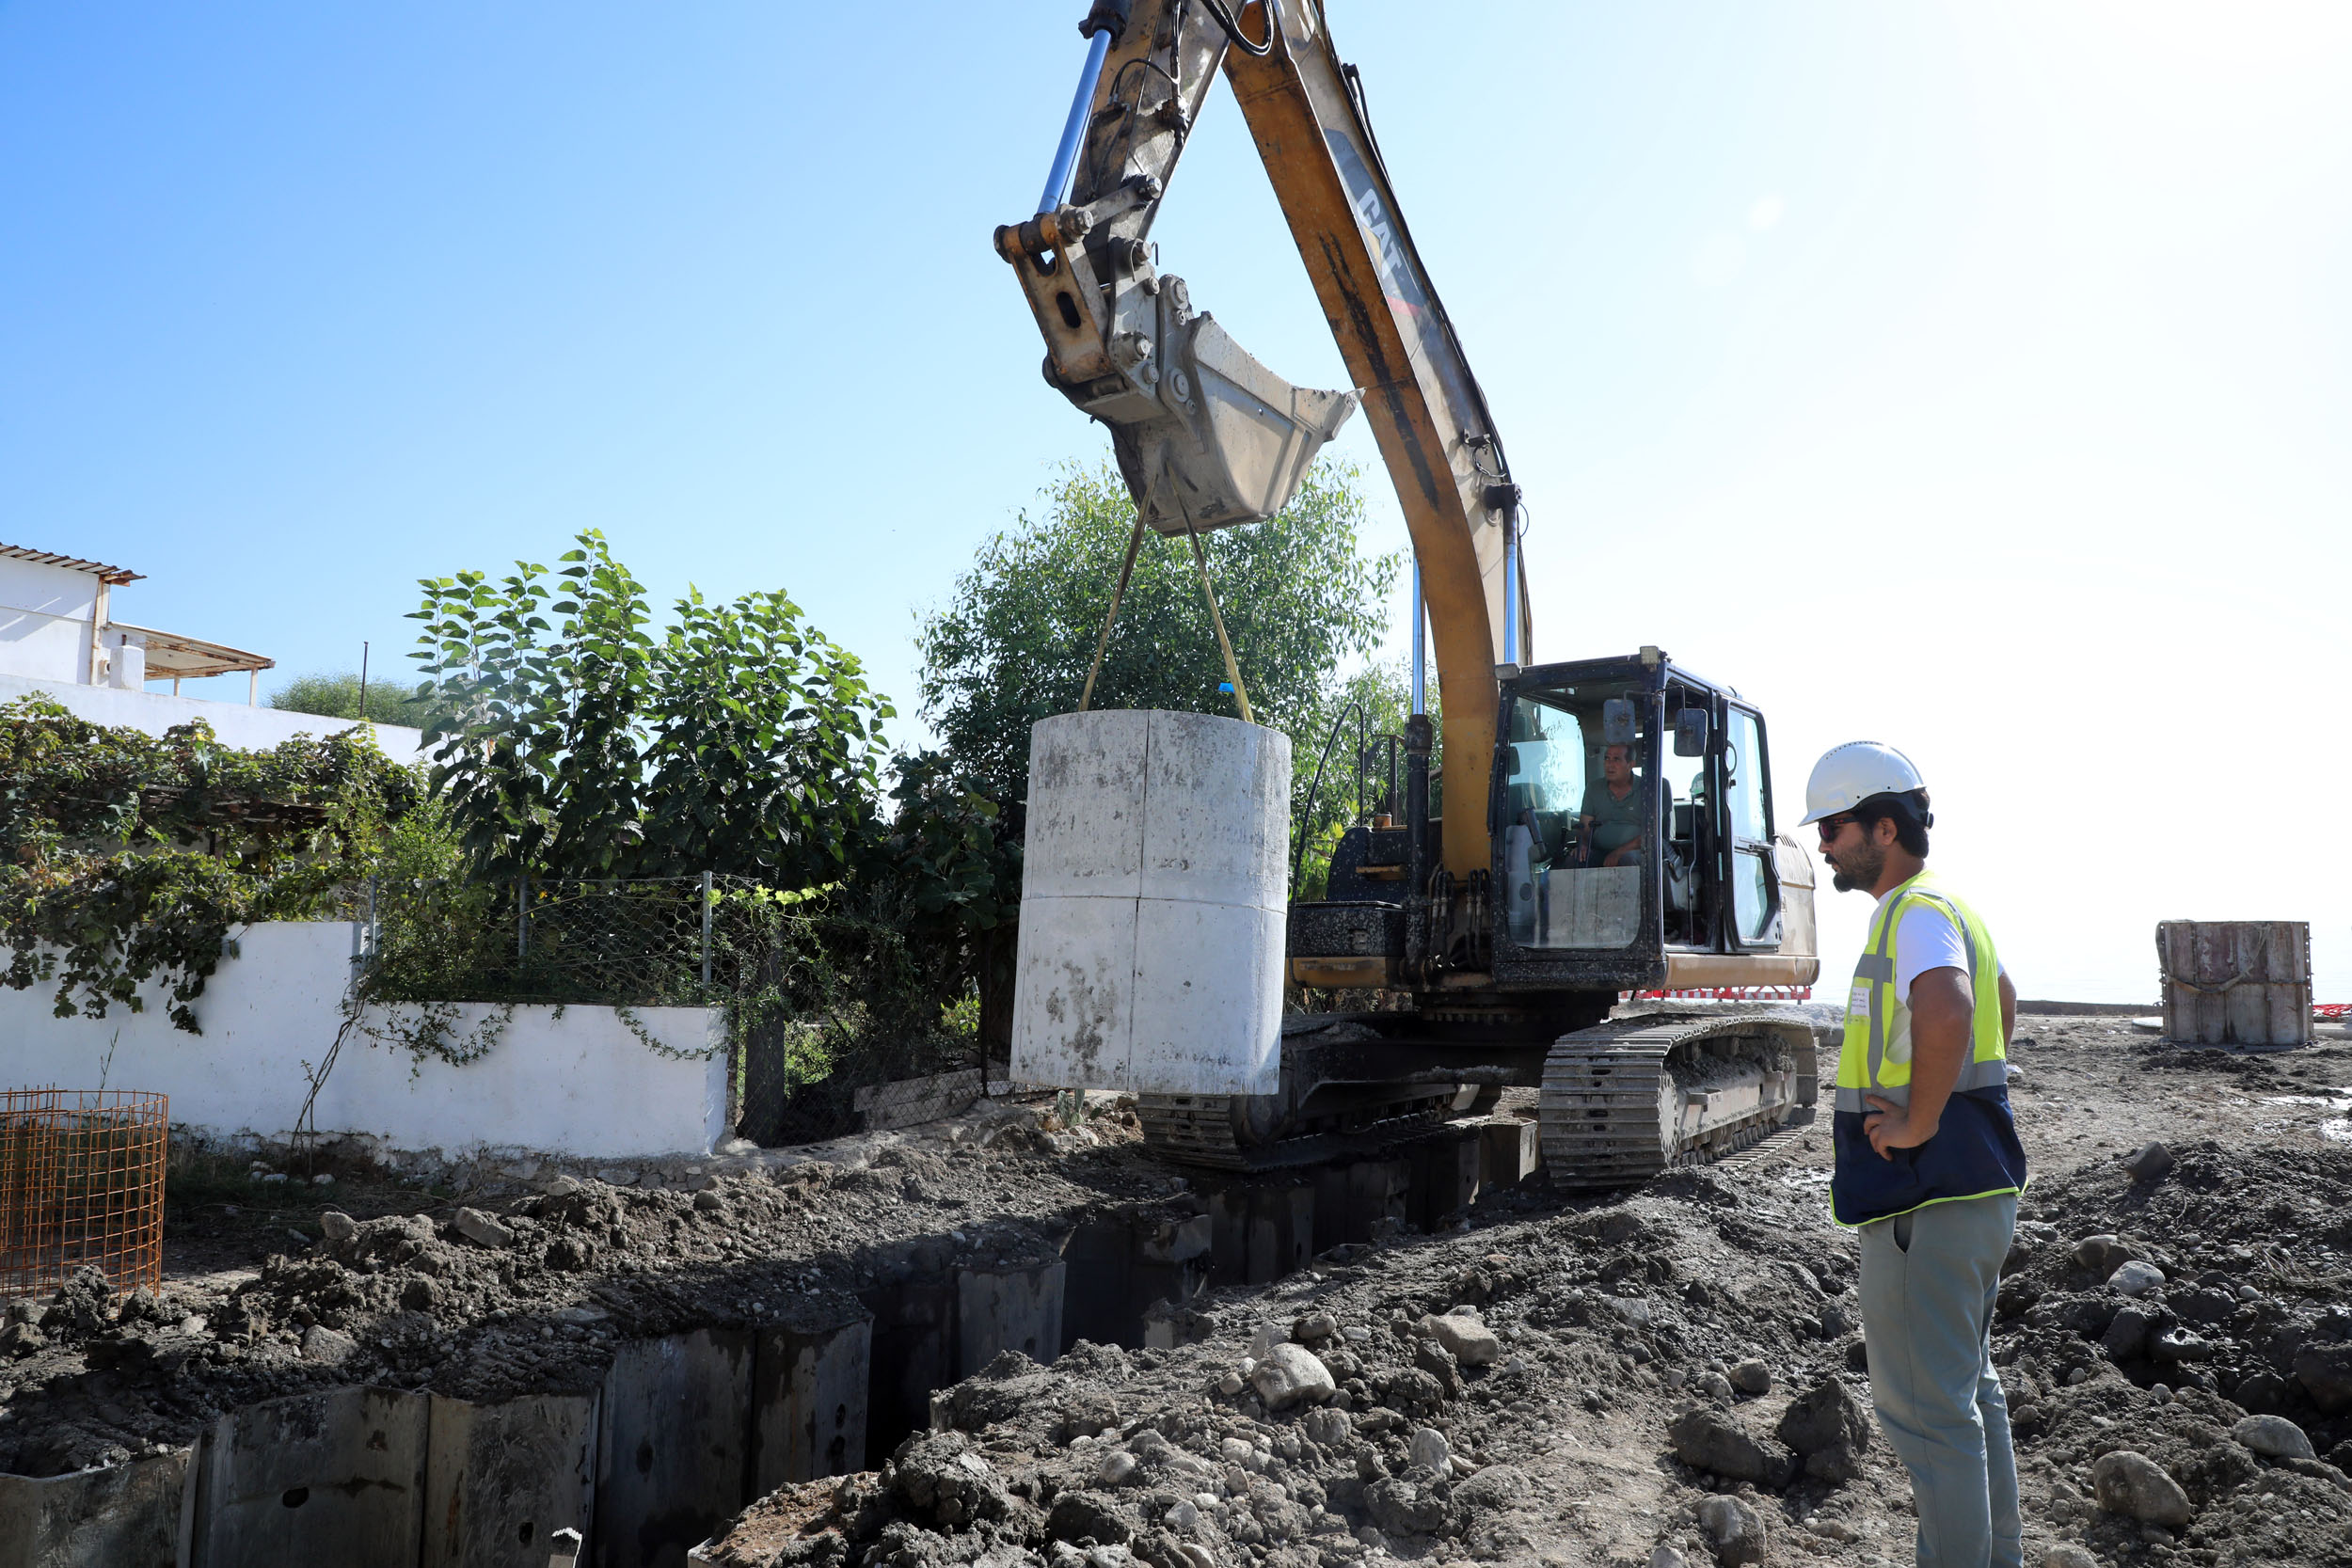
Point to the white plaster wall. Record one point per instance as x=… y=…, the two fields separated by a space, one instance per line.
x=236 y=723
x=44 y=620
x=580 y=1084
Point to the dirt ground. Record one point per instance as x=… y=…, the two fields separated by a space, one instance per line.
x=1670 y=1370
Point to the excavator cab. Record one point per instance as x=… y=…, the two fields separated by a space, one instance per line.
x=1634 y=837
x=1634 y=847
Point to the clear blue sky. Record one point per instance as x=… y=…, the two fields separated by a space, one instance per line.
x=1975 y=376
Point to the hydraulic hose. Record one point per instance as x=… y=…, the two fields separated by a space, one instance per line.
x=1232 y=28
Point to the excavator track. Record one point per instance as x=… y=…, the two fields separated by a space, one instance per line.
x=1203 y=1131
x=1192 y=1130
x=1624 y=1103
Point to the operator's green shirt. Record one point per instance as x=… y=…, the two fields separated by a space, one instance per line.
x=1616 y=823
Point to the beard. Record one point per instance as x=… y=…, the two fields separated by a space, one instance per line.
x=1859 y=871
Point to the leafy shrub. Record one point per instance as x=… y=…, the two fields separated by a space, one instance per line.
x=125 y=856
x=740 y=741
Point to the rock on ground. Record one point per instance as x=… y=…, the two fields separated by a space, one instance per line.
x=1292 y=1374
x=323 y=1344
x=2104 y=1253
x=2137 y=1486
x=2274 y=1436
x=1710 y=1439
x=480 y=1229
x=1733 y=1530
x=2126 y=1335
x=1404 y=1506
x=1830 y=1426
x=1471 y=1342
x=2326 y=1372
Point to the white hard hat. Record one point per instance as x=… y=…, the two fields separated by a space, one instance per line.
x=1850 y=774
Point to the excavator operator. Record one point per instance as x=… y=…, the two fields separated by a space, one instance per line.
x=1610 y=817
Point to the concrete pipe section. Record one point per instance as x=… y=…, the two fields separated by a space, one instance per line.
x=1154 y=894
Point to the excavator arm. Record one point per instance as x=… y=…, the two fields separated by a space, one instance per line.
x=1205 y=436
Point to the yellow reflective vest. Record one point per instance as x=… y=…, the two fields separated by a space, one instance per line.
x=1876 y=1054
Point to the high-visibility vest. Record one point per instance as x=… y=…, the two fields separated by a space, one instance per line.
x=1876 y=1060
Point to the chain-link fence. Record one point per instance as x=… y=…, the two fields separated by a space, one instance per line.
x=657 y=942
x=821 y=1000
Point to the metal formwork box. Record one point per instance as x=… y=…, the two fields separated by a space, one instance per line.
x=2244 y=983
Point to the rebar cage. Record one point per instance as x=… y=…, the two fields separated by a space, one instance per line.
x=80 y=1186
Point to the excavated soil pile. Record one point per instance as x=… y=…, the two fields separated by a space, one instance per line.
x=1461 y=1398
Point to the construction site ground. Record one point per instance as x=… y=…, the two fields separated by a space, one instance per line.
x=1610 y=1365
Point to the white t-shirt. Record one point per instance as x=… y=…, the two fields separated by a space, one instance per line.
x=1925 y=939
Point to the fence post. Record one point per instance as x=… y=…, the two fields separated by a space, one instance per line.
x=705 y=930
x=375 y=931
x=522 y=916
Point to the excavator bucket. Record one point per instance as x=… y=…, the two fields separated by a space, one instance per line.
x=1227 y=440
x=1206 y=436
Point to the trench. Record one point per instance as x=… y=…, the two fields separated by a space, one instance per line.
x=684 y=1430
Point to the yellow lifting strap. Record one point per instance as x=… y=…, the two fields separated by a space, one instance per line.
x=1102 y=644
x=1217 y=617
x=1232 y=670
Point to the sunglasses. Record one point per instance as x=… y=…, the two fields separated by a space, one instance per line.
x=1831 y=827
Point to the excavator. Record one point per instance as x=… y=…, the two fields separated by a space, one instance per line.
x=1604 y=825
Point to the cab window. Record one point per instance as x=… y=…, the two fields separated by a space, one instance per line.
x=1579 y=819
x=1748 y=810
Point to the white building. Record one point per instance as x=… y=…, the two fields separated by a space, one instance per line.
x=59 y=636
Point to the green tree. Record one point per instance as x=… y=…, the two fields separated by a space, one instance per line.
x=1360 y=712
x=739 y=740
x=1013 y=643
x=336 y=695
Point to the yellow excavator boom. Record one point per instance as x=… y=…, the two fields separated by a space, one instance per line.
x=1206 y=436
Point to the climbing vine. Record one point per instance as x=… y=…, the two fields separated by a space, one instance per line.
x=128 y=859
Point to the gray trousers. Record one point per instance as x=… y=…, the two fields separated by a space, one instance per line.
x=1928 y=1282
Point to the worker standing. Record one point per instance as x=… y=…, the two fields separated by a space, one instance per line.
x=1928 y=1163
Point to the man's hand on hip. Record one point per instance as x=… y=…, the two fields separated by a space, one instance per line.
x=1890 y=1128
x=1943 y=1013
